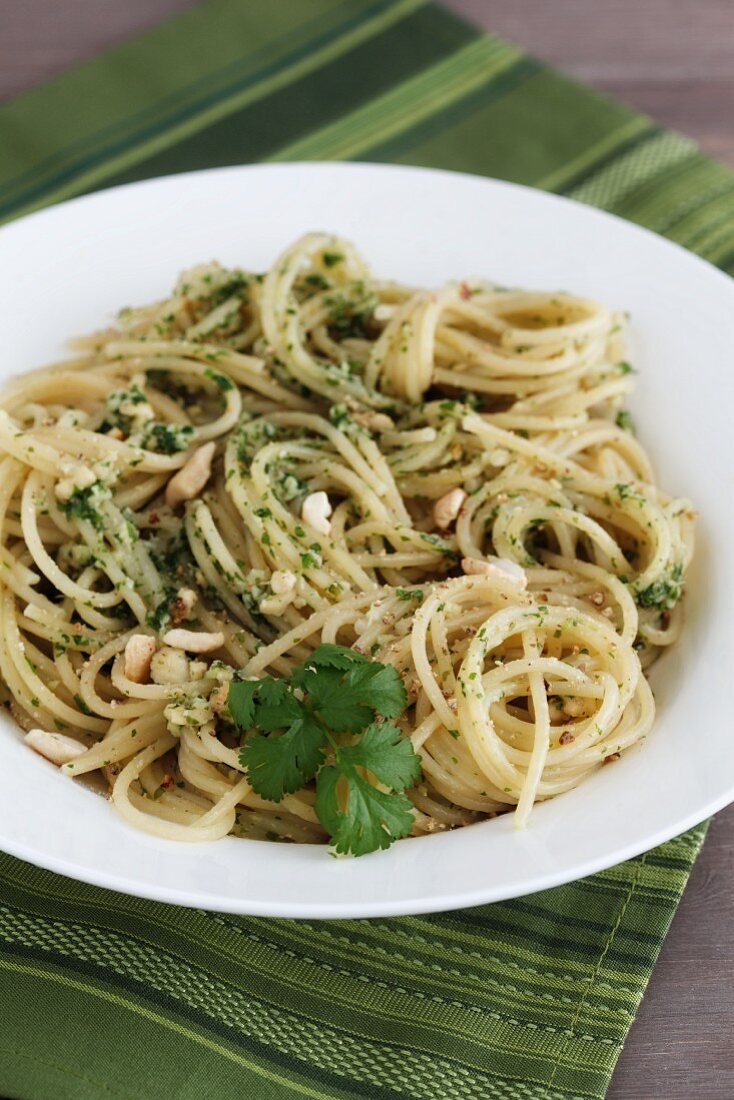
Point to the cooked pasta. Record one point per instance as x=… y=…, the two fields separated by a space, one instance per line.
x=445 y=481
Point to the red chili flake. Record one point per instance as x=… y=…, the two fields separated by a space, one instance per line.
x=167 y=781
x=464 y=292
x=566 y=738
x=154 y=517
x=611 y=758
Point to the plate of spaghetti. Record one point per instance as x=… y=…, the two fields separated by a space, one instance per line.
x=368 y=512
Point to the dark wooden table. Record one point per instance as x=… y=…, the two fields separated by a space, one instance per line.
x=673 y=59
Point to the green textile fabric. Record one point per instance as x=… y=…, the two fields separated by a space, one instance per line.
x=106 y=995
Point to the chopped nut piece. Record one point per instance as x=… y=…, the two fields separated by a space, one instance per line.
x=188 y=482
x=316 y=511
x=275 y=605
x=80 y=478
x=138 y=655
x=54 y=746
x=447 y=508
x=182 y=605
x=499 y=568
x=282 y=581
x=218 y=699
x=368 y=418
x=282 y=584
x=169 y=666
x=193 y=641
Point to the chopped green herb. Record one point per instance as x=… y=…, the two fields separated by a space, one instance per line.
x=81 y=705
x=624 y=421
x=167 y=439
x=665 y=593
x=220 y=380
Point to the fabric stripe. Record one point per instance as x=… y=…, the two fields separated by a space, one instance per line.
x=78 y=987
x=259 y=129
x=406 y=105
x=93 y=128
x=163 y=957
x=148 y=133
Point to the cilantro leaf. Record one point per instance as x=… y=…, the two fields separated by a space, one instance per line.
x=267 y=703
x=379 y=687
x=241 y=702
x=277 y=707
x=278 y=765
x=335 y=691
x=334 y=656
x=324 y=686
x=347 y=689
x=384 y=751
x=368 y=820
x=348 y=702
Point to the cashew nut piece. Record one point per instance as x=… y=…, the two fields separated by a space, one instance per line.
x=188 y=482
x=499 y=568
x=138 y=655
x=169 y=666
x=316 y=511
x=193 y=641
x=448 y=507
x=54 y=746
x=282 y=581
x=282 y=585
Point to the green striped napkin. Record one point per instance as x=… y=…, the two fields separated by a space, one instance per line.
x=105 y=995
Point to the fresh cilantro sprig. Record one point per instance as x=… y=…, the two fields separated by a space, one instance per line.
x=333 y=696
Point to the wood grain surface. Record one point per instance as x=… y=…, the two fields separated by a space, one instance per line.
x=673 y=59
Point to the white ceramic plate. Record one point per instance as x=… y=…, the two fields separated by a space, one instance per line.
x=66 y=270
